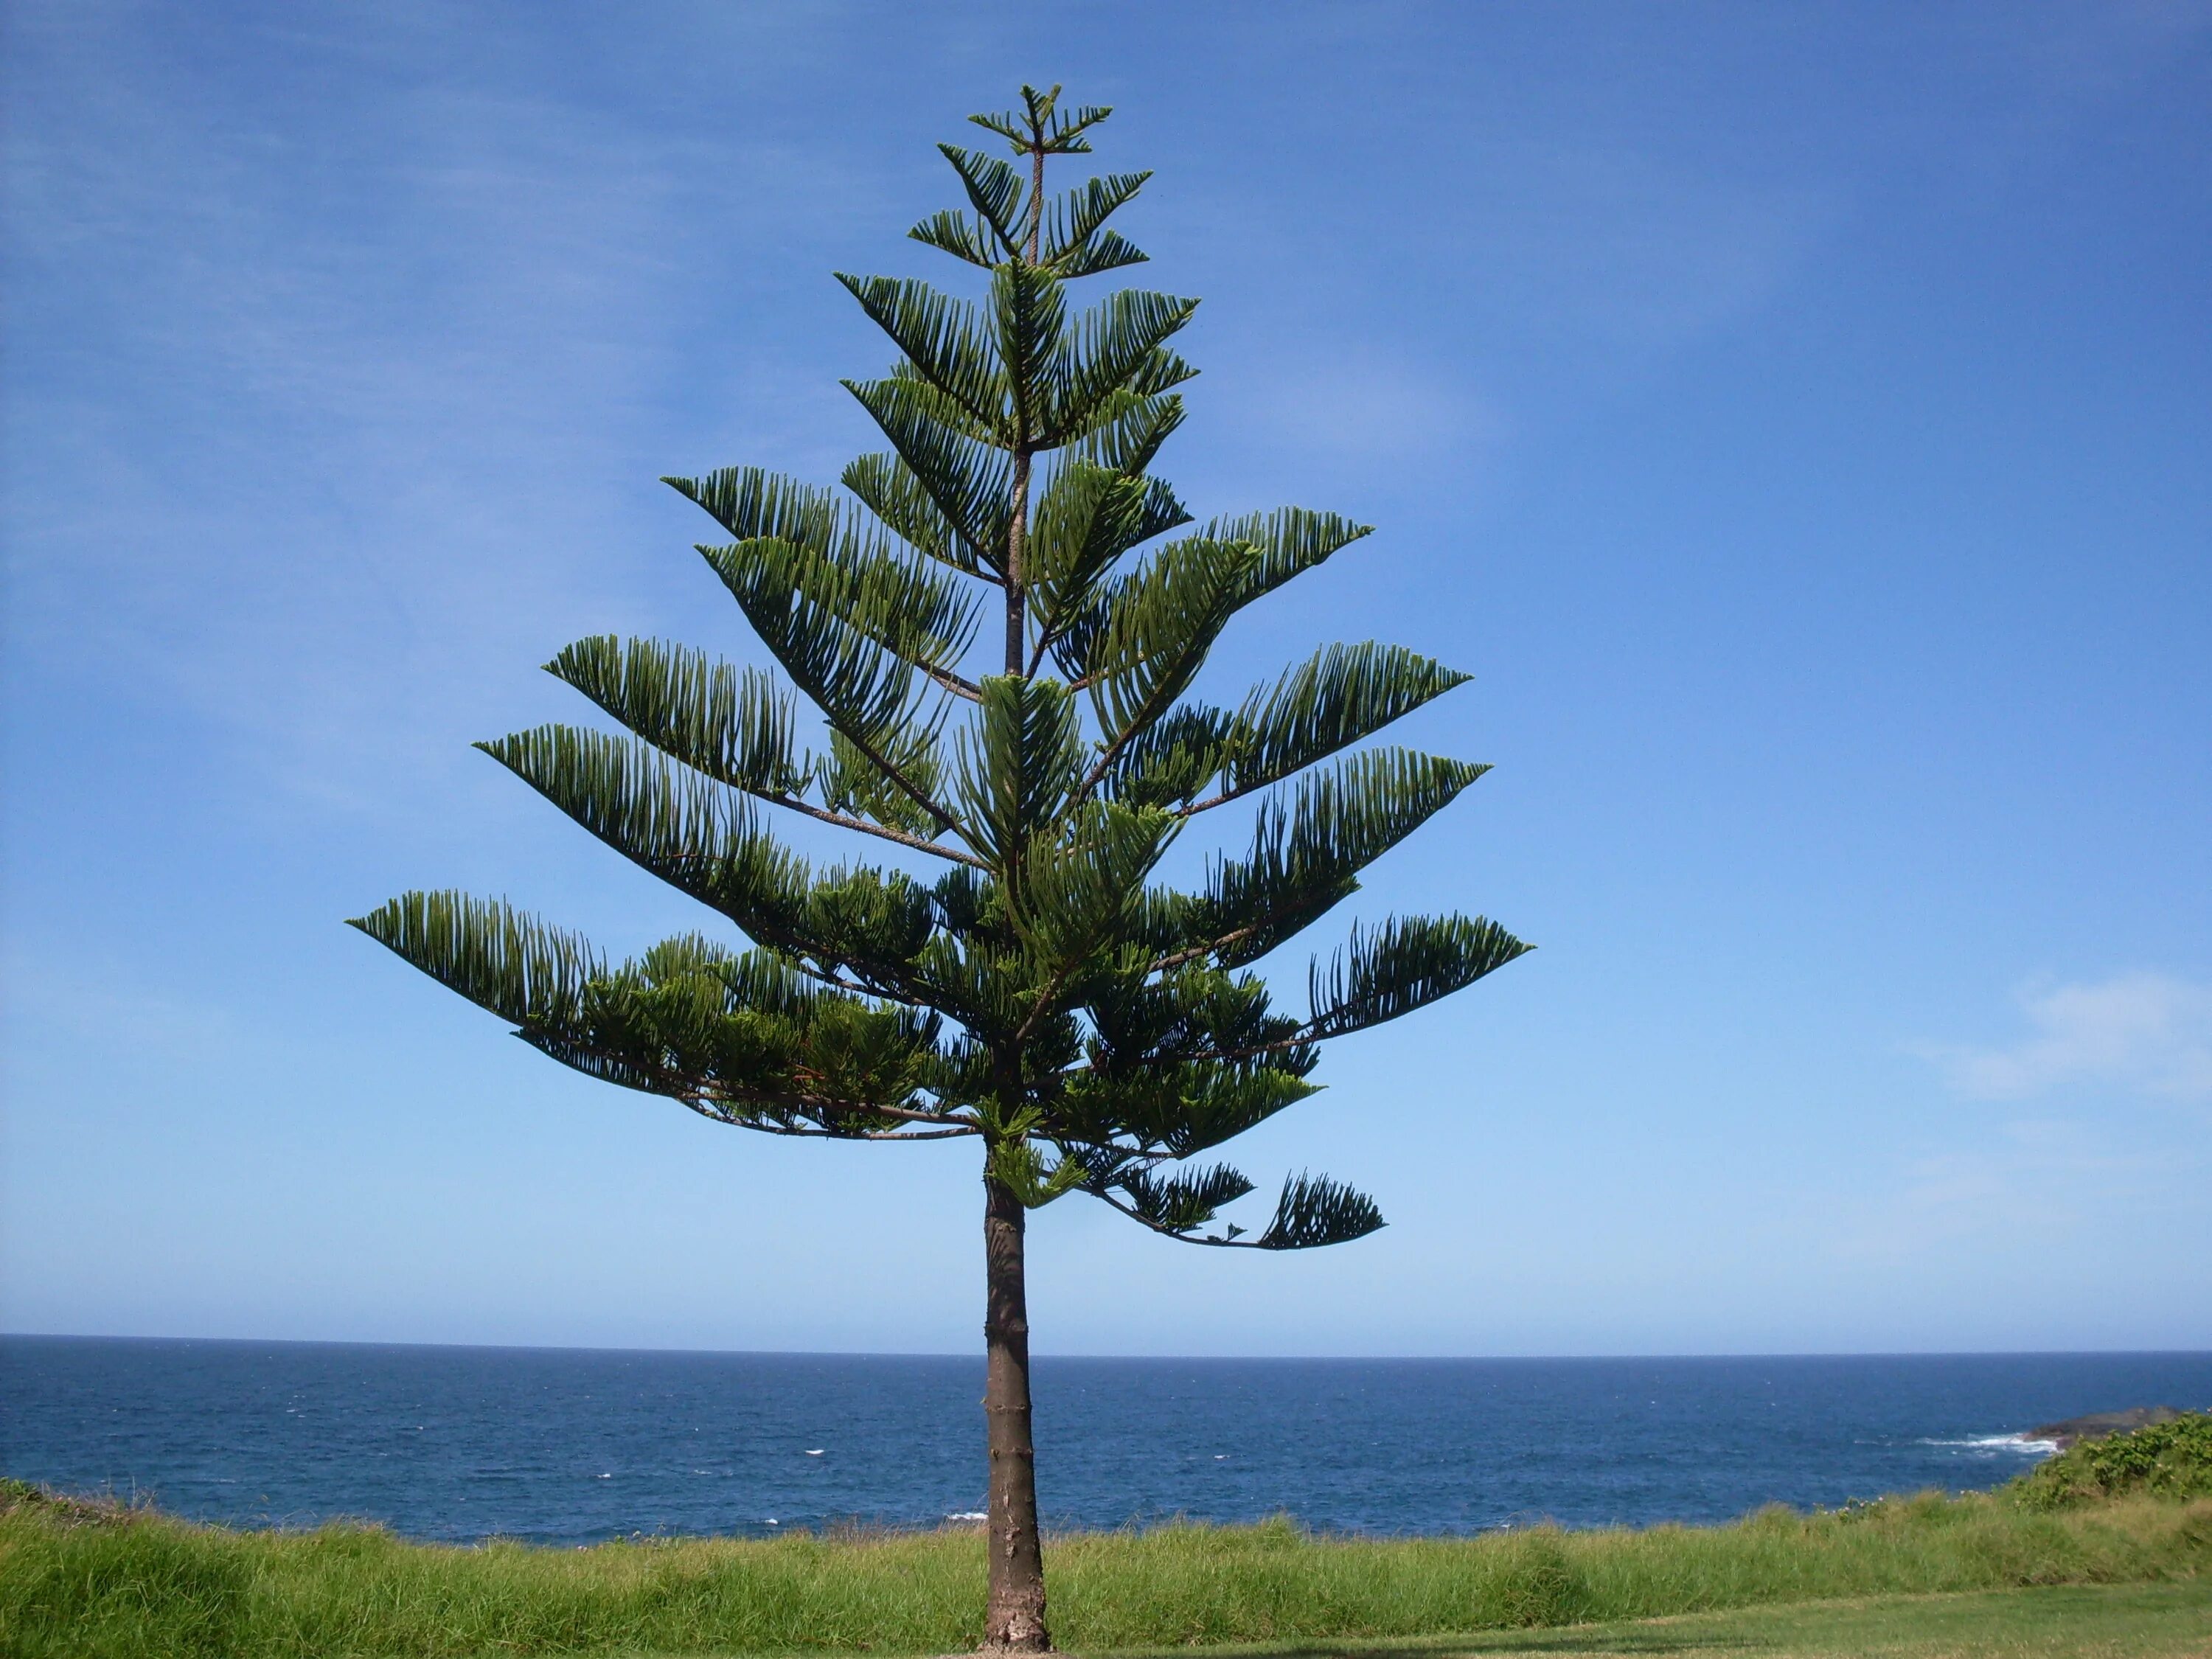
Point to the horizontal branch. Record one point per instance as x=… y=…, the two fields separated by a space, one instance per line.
x=843 y=821
x=728 y=1104
x=945 y=819
x=958 y=685
x=820 y=1105
x=1222 y=799
x=1304 y=1036
x=1170 y=1232
x=1193 y=952
x=853 y=989
x=714 y=1116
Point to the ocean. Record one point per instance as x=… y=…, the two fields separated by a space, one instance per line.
x=570 y=1446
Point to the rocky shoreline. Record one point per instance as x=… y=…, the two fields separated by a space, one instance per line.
x=2098 y=1424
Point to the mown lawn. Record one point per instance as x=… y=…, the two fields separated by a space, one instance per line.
x=2078 y=1621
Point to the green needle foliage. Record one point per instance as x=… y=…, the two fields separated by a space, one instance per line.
x=1020 y=976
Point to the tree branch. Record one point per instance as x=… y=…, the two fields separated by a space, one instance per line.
x=920 y=843
x=1153 y=708
x=945 y=819
x=958 y=686
x=714 y=1116
x=853 y=988
x=1300 y=1038
x=820 y=1106
x=1221 y=799
x=1196 y=951
x=1109 y=1199
x=1044 y=1000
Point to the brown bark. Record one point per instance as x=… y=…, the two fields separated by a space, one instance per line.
x=1013 y=1613
x=1013 y=1617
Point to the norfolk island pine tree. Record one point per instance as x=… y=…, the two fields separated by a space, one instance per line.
x=1035 y=989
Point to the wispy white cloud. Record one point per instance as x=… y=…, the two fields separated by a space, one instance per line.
x=2147 y=1033
x=2030 y=1184
x=323 y=429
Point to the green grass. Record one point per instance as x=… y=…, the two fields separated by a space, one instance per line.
x=84 y=1580
x=2149 y=1621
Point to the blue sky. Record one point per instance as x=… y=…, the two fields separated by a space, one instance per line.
x=1797 y=417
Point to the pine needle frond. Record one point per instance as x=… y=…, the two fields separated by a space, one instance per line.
x=1315 y=1211
x=917 y=614
x=1184 y=1202
x=1077 y=887
x=529 y=973
x=1169 y=762
x=1087 y=518
x=743 y=1039
x=1108 y=249
x=674 y=823
x=1306 y=855
x=1127 y=431
x=1016 y=1164
x=1017 y=767
x=1073 y=219
x=871 y=693
x=1221 y=1101
x=995 y=191
x=1107 y=350
x=967 y=482
x=1029 y=325
x=704 y=840
x=750 y=502
x=1178 y=1110
x=1160 y=372
x=1194 y=1013
x=1157 y=627
x=943 y=342
x=959 y=236
x=732 y=724
x=1338 y=697
x=1291 y=541
x=838 y=564
x=887 y=487
x=852 y=783
x=1039 y=125
x=1408 y=963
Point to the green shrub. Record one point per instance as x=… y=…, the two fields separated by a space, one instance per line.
x=2166 y=1460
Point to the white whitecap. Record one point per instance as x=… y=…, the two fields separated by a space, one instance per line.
x=1997 y=1442
x=970 y=1515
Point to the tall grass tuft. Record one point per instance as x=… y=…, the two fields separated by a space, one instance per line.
x=101 y=1581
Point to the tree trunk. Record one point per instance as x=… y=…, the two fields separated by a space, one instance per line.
x=1013 y=1618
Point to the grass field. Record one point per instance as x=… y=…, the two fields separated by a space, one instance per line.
x=82 y=1580
x=2155 y=1621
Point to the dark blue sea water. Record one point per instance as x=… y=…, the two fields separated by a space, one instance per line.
x=570 y=1445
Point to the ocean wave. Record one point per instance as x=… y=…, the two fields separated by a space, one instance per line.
x=1990 y=1444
